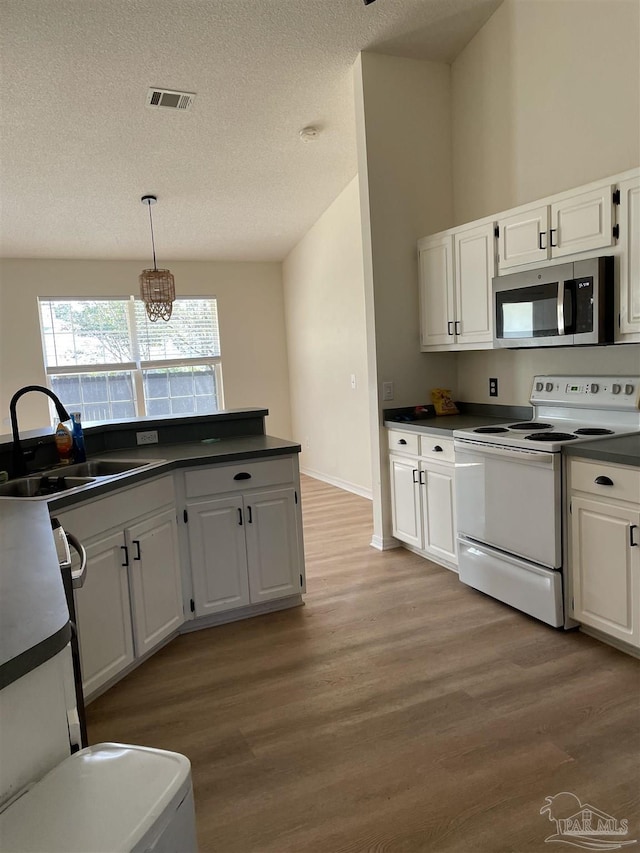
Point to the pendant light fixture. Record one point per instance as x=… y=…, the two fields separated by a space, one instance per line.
x=157 y=287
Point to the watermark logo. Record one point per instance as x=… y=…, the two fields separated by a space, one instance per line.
x=582 y=825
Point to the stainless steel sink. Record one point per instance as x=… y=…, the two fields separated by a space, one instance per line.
x=35 y=487
x=100 y=468
x=62 y=479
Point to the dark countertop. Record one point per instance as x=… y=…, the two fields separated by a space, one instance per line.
x=171 y=456
x=623 y=450
x=34 y=618
x=445 y=424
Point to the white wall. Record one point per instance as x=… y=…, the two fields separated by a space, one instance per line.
x=250 y=308
x=326 y=341
x=403 y=129
x=546 y=97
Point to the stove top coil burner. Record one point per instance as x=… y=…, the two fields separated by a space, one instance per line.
x=490 y=430
x=531 y=425
x=593 y=431
x=551 y=436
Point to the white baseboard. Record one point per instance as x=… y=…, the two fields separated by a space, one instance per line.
x=384 y=543
x=340 y=484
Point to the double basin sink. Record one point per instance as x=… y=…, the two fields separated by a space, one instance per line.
x=62 y=479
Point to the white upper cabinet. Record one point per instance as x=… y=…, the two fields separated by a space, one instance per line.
x=437 y=306
x=629 y=290
x=456 y=267
x=523 y=237
x=582 y=222
x=455 y=272
x=474 y=269
x=577 y=221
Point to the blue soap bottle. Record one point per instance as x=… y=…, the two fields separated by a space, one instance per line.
x=79 y=453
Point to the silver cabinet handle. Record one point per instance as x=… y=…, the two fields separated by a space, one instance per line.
x=78 y=577
x=457 y=325
x=450 y=327
x=631 y=529
x=413 y=474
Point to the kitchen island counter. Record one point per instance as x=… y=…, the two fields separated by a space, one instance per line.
x=34 y=617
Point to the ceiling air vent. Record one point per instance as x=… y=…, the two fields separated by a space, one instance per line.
x=169 y=99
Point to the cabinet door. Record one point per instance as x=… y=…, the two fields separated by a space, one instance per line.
x=474 y=271
x=273 y=558
x=629 y=293
x=582 y=222
x=156 y=586
x=437 y=309
x=405 y=501
x=438 y=509
x=606 y=568
x=523 y=237
x=104 y=613
x=218 y=555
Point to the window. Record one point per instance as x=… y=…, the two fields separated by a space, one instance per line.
x=104 y=358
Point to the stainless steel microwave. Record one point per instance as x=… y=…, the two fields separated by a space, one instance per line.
x=565 y=305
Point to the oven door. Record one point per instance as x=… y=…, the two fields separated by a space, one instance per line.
x=510 y=499
x=534 y=309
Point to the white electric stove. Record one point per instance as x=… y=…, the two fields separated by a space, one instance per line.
x=569 y=409
x=509 y=487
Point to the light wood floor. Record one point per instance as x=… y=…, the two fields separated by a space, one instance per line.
x=397 y=711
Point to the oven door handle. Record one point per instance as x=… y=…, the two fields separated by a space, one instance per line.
x=78 y=576
x=561 y=324
x=536 y=457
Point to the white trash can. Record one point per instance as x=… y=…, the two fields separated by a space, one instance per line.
x=108 y=798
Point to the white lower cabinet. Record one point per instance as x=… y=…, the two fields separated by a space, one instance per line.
x=423 y=496
x=605 y=549
x=131 y=599
x=155 y=578
x=245 y=544
x=103 y=612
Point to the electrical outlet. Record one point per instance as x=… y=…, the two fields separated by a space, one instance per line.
x=148 y=437
x=493 y=386
x=387 y=391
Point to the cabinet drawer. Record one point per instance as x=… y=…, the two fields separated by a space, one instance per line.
x=403 y=442
x=626 y=481
x=437 y=448
x=239 y=476
x=117 y=510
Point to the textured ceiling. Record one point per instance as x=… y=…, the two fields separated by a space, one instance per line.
x=79 y=147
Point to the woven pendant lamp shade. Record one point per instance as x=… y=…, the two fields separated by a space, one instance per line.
x=157 y=287
x=158 y=292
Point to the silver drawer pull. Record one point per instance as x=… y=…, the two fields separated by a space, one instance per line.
x=603 y=481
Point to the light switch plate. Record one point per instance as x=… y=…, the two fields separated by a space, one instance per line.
x=387 y=391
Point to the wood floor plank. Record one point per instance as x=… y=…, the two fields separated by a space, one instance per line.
x=398 y=710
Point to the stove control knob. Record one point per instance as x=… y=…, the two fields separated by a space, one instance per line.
x=615 y=388
x=594 y=388
x=548 y=386
x=628 y=389
x=539 y=386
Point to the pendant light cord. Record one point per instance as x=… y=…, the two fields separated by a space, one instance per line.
x=153 y=242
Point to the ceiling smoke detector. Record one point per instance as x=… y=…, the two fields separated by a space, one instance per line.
x=169 y=99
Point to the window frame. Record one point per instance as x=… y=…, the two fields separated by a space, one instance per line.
x=136 y=367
